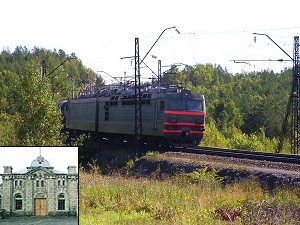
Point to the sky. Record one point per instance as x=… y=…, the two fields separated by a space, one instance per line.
x=21 y=157
x=100 y=33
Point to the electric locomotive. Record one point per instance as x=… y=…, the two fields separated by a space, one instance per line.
x=171 y=115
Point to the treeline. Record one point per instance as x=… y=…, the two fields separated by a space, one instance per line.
x=28 y=100
x=243 y=110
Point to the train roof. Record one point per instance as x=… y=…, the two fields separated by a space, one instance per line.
x=164 y=90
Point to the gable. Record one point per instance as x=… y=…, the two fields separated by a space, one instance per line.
x=40 y=171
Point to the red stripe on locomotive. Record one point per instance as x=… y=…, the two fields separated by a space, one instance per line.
x=185 y=113
x=179 y=131
x=184 y=124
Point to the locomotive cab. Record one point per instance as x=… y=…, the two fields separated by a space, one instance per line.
x=184 y=121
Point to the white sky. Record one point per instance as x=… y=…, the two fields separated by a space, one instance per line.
x=21 y=157
x=101 y=32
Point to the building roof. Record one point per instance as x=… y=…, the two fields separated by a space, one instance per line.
x=40 y=161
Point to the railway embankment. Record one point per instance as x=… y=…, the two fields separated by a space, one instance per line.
x=271 y=175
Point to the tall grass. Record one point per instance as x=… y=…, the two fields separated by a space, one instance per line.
x=193 y=198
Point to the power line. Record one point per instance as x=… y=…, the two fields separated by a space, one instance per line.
x=240 y=31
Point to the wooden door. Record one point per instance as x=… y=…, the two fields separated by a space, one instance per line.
x=40 y=207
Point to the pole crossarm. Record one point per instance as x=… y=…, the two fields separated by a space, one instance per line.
x=69 y=58
x=275 y=44
x=101 y=71
x=157 y=41
x=260 y=60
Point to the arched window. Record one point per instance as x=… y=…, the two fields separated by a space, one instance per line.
x=61 y=202
x=0 y=202
x=18 y=202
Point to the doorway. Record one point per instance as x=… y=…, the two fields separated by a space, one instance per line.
x=40 y=206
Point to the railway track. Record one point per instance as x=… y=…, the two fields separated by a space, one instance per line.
x=225 y=152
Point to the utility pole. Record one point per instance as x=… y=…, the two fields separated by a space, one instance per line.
x=138 y=95
x=295 y=96
x=159 y=74
x=138 y=133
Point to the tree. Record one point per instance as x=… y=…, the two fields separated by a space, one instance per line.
x=38 y=119
x=228 y=115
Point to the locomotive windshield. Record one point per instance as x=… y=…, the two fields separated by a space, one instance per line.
x=187 y=105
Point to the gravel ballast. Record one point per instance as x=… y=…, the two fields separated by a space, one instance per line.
x=271 y=175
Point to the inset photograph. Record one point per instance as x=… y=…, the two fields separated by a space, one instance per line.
x=39 y=184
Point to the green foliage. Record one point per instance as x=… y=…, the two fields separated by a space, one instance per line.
x=28 y=102
x=127 y=200
x=201 y=177
x=7 y=130
x=247 y=142
x=213 y=137
x=78 y=141
x=39 y=121
x=152 y=154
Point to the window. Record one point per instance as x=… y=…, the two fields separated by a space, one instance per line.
x=194 y=106
x=18 y=202
x=190 y=105
x=42 y=183
x=61 y=202
x=63 y=183
x=58 y=183
x=37 y=183
x=0 y=202
x=20 y=183
x=16 y=183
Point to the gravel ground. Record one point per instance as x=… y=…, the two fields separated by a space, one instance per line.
x=33 y=220
x=270 y=174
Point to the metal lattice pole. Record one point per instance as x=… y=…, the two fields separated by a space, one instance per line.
x=138 y=106
x=295 y=99
x=159 y=73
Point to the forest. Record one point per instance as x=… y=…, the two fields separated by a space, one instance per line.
x=244 y=110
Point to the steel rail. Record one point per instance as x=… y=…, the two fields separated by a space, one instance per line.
x=235 y=153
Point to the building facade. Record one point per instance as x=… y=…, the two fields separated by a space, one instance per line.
x=40 y=190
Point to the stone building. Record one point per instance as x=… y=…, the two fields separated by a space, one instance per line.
x=40 y=190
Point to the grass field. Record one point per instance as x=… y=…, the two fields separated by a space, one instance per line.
x=191 y=198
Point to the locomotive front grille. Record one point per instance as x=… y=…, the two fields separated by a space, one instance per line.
x=192 y=128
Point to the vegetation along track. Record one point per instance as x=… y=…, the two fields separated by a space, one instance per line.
x=271 y=170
